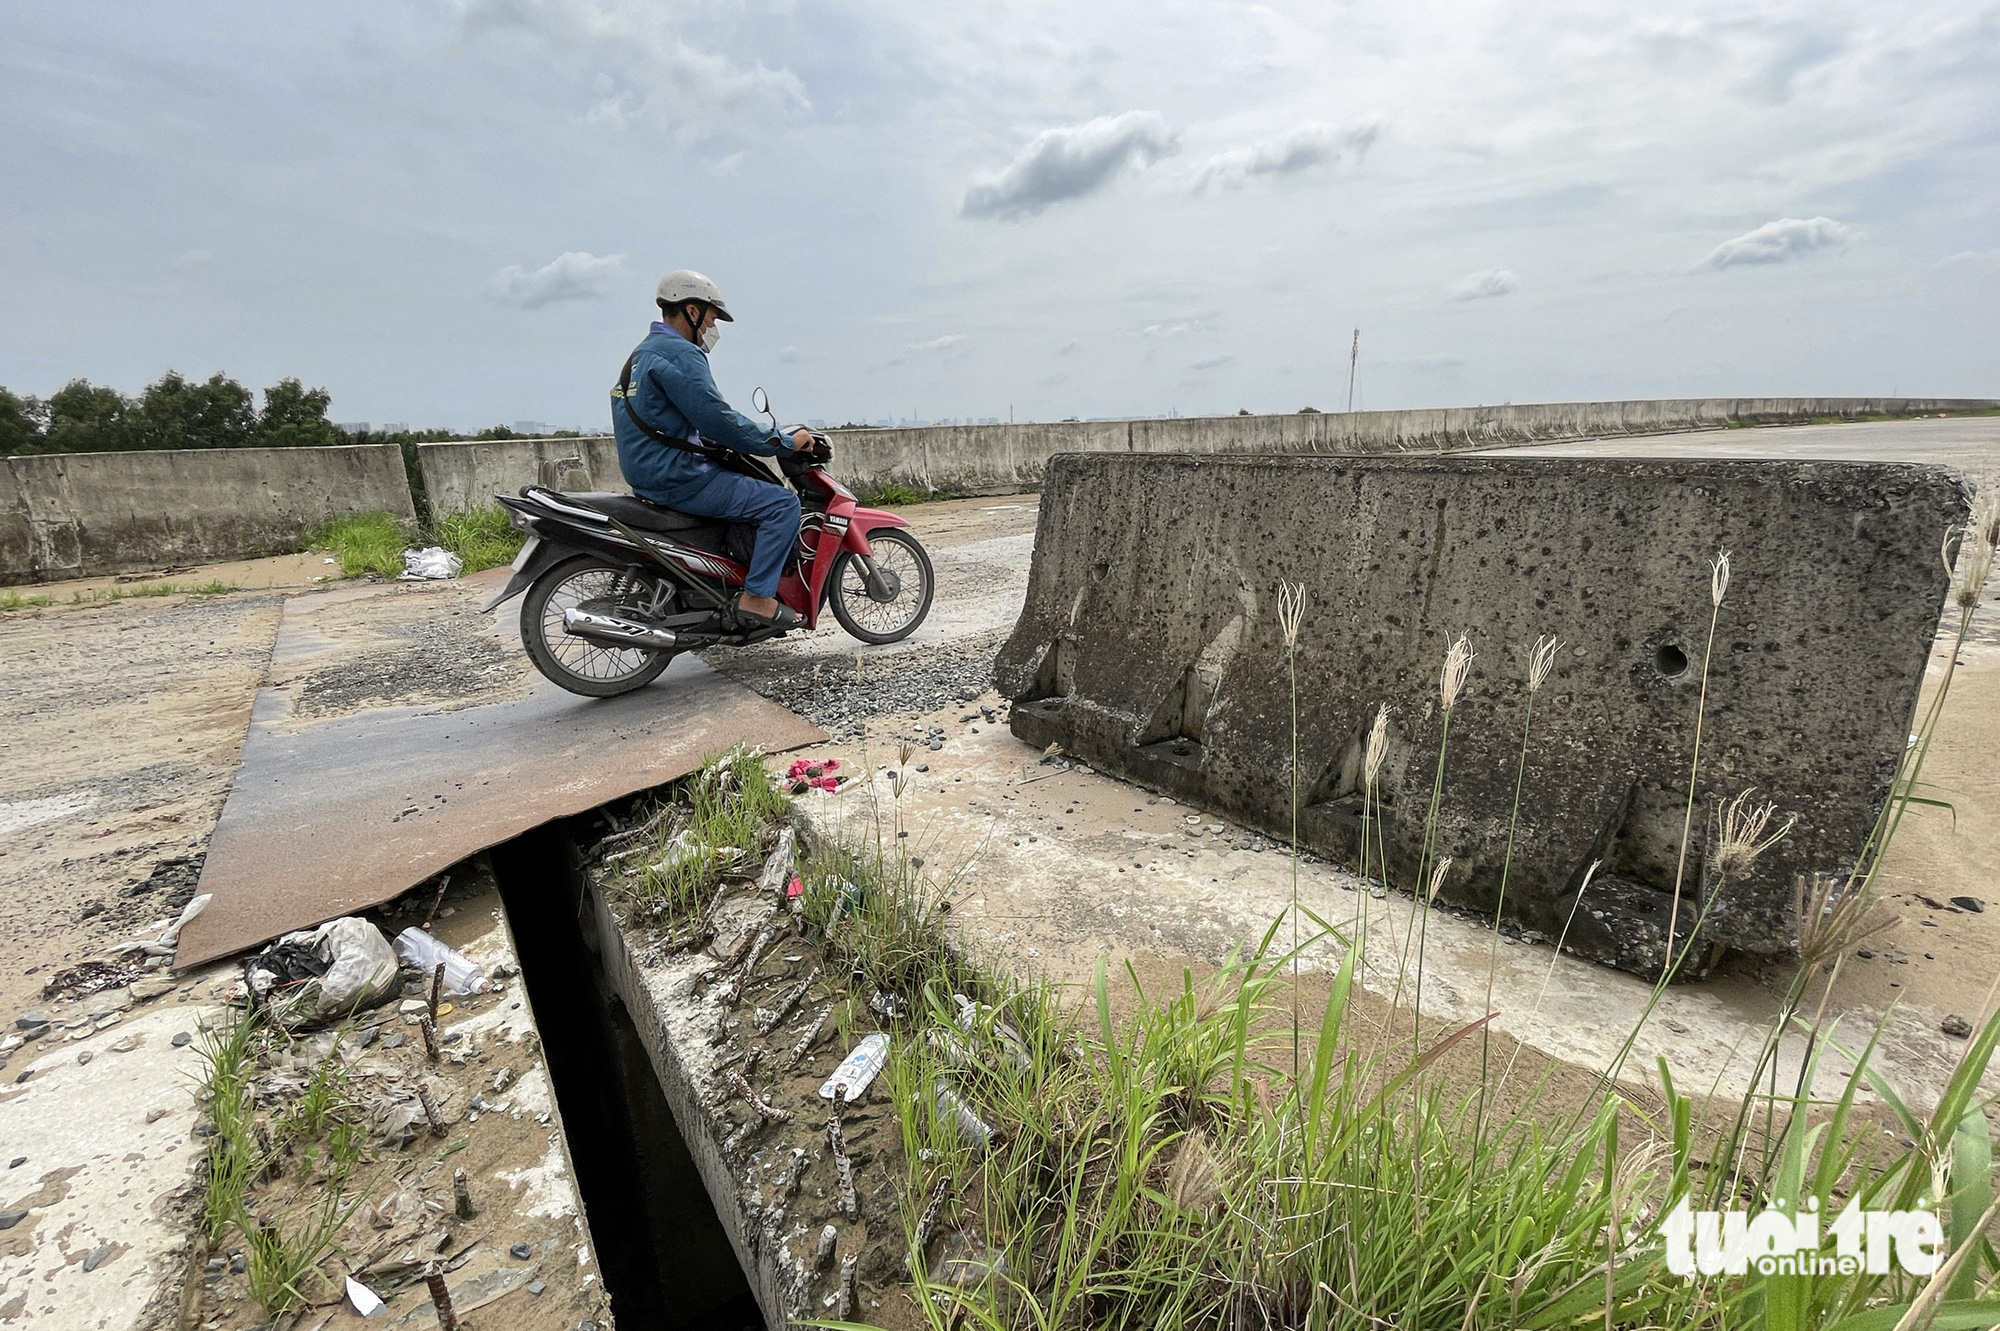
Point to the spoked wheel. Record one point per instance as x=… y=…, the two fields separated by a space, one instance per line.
x=907 y=578
x=584 y=667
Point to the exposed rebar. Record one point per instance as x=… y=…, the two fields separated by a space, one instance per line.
x=765 y=1109
x=776 y=1016
x=824 y=1252
x=461 y=1194
x=850 y=1205
x=440 y=1298
x=843 y=1302
x=926 y=1222
x=809 y=1039
x=431 y=1114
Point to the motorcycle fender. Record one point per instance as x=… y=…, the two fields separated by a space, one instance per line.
x=536 y=558
x=864 y=521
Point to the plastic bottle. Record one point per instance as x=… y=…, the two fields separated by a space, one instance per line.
x=419 y=949
x=971 y=1128
x=857 y=1070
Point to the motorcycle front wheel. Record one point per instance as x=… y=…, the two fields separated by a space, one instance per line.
x=572 y=663
x=902 y=558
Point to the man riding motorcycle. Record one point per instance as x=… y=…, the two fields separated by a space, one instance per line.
x=671 y=425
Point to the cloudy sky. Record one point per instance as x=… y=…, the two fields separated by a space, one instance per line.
x=453 y=212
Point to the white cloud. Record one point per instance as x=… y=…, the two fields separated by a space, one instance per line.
x=1782 y=240
x=1213 y=362
x=1482 y=286
x=1069 y=163
x=940 y=343
x=577 y=275
x=639 y=64
x=1306 y=145
x=1988 y=260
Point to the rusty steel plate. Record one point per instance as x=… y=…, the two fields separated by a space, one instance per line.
x=401 y=731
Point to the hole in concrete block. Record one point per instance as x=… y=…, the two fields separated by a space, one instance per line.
x=1670 y=661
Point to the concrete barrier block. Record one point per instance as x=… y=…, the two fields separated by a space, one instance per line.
x=1150 y=647
x=463 y=477
x=85 y=514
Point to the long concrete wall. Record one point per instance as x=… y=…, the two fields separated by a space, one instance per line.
x=1006 y=459
x=1150 y=646
x=69 y=515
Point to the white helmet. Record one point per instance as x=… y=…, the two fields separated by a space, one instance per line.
x=685 y=284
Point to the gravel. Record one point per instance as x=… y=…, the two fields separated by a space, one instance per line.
x=907 y=683
x=449 y=659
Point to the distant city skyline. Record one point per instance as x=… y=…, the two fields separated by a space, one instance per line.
x=453 y=212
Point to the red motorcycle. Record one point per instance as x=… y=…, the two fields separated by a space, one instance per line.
x=617 y=586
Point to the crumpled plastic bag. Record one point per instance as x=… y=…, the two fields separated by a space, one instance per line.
x=433 y=561
x=322 y=974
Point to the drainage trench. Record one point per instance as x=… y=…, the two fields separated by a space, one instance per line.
x=664 y=1255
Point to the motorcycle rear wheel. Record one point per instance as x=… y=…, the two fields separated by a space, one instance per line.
x=570 y=662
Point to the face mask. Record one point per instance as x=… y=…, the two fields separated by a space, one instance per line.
x=710 y=336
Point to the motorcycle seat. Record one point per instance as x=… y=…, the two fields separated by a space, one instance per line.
x=645 y=515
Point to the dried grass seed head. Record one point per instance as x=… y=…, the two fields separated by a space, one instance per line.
x=1542 y=661
x=1457 y=665
x=1831 y=913
x=1746 y=833
x=1291 y=611
x=1437 y=879
x=1194 y=1182
x=1378 y=747
x=1718 y=578
x=1976 y=550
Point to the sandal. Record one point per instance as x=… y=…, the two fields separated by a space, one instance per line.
x=786 y=618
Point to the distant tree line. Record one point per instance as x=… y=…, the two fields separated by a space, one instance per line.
x=218 y=412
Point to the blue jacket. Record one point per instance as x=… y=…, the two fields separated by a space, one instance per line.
x=674 y=392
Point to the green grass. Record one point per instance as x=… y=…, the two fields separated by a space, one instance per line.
x=711 y=821
x=370 y=543
x=231 y=1160
x=1196 y=1158
x=483 y=538
x=895 y=494
x=374 y=542
x=15 y=599
x=1866 y=416
x=322 y=1126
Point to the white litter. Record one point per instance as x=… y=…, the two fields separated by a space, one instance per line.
x=419 y=949
x=365 y=1300
x=360 y=969
x=857 y=1069
x=433 y=561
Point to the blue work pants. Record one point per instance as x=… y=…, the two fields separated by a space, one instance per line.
x=775 y=510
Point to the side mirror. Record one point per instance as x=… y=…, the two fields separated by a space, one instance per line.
x=761 y=401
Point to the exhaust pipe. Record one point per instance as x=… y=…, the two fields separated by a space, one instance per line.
x=611 y=631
